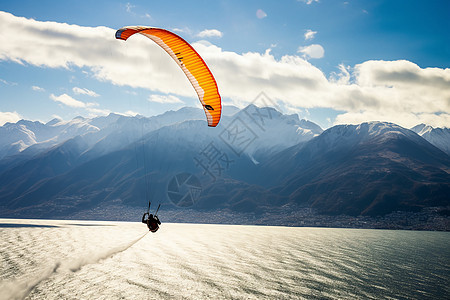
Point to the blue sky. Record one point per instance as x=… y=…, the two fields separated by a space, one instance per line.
x=330 y=61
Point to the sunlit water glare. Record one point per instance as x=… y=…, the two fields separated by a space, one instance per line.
x=43 y=259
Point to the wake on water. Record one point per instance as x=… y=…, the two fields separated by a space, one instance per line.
x=22 y=287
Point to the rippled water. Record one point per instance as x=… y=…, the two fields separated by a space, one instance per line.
x=117 y=260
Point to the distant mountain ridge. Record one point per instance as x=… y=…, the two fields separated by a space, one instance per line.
x=371 y=168
x=440 y=137
x=255 y=160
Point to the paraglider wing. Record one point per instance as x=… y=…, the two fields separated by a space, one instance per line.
x=189 y=61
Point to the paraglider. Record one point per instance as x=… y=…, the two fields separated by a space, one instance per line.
x=197 y=73
x=189 y=61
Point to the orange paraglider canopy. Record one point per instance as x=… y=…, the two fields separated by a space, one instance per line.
x=189 y=61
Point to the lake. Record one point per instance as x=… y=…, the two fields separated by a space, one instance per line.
x=49 y=259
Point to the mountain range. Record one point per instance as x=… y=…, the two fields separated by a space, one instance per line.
x=256 y=160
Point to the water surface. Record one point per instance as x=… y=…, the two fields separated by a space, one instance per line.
x=119 y=260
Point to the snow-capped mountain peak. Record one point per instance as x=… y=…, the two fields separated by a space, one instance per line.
x=271 y=130
x=439 y=137
x=368 y=132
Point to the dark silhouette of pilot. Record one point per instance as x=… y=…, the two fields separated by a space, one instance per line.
x=151 y=221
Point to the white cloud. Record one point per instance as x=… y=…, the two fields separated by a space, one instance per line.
x=243 y=76
x=37 y=88
x=309 y=1
x=260 y=14
x=90 y=107
x=395 y=91
x=164 y=99
x=210 y=33
x=134 y=93
x=312 y=51
x=401 y=92
x=93 y=112
x=369 y=91
x=11 y=117
x=184 y=31
x=343 y=77
x=81 y=91
x=130 y=113
x=129 y=7
x=5 y=82
x=67 y=100
x=309 y=34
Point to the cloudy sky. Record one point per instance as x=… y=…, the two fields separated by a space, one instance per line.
x=329 y=61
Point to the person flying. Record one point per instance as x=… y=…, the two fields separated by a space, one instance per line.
x=152 y=221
